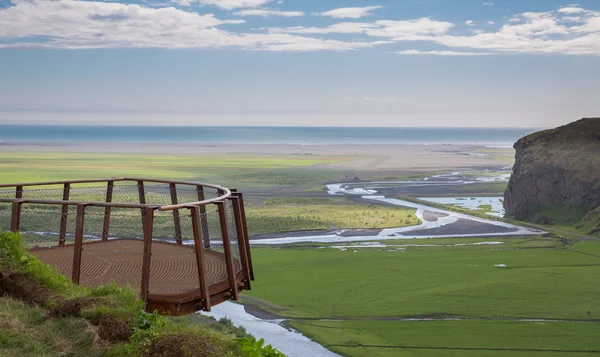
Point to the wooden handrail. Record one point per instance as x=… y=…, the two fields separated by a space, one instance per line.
x=224 y=193
x=75 y=203
x=48 y=183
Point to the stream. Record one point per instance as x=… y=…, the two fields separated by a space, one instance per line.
x=292 y=343
x=435 y=222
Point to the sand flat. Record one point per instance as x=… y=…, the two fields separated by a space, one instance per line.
x=360 y=157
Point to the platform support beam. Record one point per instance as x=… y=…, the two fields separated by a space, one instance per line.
x=142 y=196
x=15 y=216
x=245 y=228
x=176 y=220
x=196 y=227
x=239 y=228
x=227 y=248
x=203 y=220
x=63 y=215
x=78 y=246
x=106 y=226
x=148 y=224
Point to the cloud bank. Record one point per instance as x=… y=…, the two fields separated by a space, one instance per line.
x=69 y=24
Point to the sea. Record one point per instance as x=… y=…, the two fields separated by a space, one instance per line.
x=492 y=137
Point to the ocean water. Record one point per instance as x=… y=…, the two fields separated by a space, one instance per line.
x=502 y=137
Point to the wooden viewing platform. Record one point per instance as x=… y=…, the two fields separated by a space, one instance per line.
x=182 y=257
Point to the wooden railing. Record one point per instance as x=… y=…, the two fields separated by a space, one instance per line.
x=152 y=199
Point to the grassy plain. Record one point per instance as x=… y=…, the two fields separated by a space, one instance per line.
x=350 y=300
x=242 y=171
x=292 y=214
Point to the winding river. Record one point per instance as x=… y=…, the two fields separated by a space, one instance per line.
x=435 y=222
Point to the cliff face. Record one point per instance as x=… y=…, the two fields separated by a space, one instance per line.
x=556 y=168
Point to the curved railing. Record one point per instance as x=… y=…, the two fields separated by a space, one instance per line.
x=183 y=244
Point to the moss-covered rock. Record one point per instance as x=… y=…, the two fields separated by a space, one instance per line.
x=556 y=168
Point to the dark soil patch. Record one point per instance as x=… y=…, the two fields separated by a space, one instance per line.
x=260 y=313
x=463 y=226
x=22 y=287
x=73 y=307
x=113 y=329
x=183 y=345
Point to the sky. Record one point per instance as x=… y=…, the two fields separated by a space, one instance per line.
x=494 y=63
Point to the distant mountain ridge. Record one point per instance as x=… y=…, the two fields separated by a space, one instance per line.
x=556 y=176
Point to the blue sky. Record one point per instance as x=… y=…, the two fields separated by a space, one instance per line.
x=500 y=63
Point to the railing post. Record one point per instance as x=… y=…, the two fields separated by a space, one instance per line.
x=176 y=221
x=243 y=214
x=149 y=221
x=235 y=200
x=227 y=249
x=15 y=216
x=196 y=228
x=106 y=226
x=142 y=196
x=78 y=246
x=19 y=192
x=203 y=220
x=63 y=216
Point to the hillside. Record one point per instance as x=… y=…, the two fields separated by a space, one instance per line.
x=556 y=176
x=43 y=314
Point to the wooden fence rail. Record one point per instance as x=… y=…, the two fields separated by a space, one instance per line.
x=232 y=265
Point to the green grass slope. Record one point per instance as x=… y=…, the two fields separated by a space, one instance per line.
x=590 y=223
x=43 y=314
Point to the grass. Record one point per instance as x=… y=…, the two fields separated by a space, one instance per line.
x=590 y=223
x=64 y=319
x=26 y=331
x=243 y=171
x=362 y=294
x=429 y=338
x=494 y=188
x=281 y=215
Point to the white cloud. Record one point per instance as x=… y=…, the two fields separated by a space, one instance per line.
x=442 y=53
x=488 y=3
x=73 y=24
x=266 y=13
x=397 y=30
x=571 y=10
x=490 y=22
x=470 y=23
x=349 y=12
x=85 y=24
x=225 y=4
x=591 y=25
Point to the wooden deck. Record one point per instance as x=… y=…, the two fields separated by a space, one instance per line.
x=173 y=271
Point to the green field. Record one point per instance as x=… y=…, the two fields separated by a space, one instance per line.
x=282 y=215
x=356 y=299
x=241 y=171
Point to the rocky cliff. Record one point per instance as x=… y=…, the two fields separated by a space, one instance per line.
x=556 y=170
